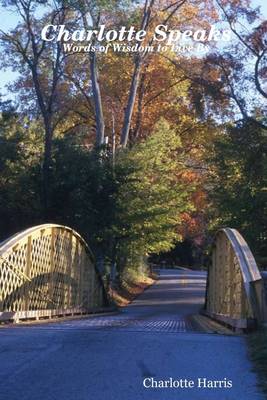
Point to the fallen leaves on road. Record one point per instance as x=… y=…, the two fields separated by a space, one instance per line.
x=130 y=289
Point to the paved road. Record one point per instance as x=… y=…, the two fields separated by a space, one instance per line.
x=108 y=357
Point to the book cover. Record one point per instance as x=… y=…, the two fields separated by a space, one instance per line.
x=133 y=200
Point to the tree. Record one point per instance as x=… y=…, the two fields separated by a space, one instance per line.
x=133 y=208
x=232 y=79
x=152 y=198
x=239 y=181
x=26 y=52
x=20 y=151
x=254 y=42
x=146 y=17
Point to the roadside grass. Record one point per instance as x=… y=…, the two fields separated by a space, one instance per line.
x=258 y=354
x=132 y=284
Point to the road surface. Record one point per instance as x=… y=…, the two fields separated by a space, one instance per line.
x=124 y=356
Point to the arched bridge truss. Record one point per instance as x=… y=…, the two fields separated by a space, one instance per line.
x=235 y=289
x=47 y=271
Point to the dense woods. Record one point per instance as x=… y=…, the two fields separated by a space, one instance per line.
x=139 y=152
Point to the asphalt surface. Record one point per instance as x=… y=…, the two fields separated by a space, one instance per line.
x=112 y=357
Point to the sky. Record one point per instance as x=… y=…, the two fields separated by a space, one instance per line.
x=9 y=21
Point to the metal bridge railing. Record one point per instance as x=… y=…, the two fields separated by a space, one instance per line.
x=45 y=271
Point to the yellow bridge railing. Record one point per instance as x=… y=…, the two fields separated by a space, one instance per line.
x=47 y=271
x=235 y=290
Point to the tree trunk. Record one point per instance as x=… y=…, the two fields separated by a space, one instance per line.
x=47 y=166
x=141 y=93
x=47 y=118
x=135 y=78
x=130 y=105
x=99 y=117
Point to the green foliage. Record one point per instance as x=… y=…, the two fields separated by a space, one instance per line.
x=20 y=149
x=239 y=190
x=152 y=198
x=124 y=210
x=258 y=354
x=127 y=210
x=83 y=190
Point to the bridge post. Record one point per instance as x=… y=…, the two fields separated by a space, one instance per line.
x=27 y=271
x=52 y=264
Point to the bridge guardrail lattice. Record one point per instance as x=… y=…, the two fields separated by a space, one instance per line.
x=235 y=290
x=45 y=271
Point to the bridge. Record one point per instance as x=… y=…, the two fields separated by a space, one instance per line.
x=235 y=293
x=49 y=271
